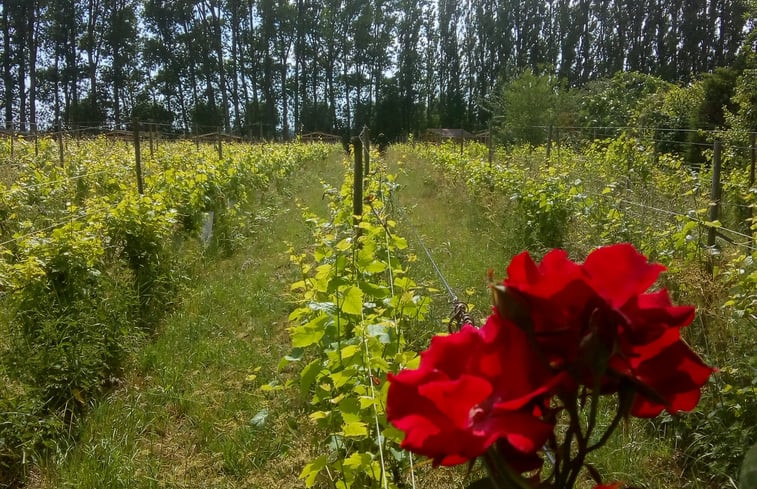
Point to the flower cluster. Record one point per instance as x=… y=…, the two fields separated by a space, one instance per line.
x=560 y=333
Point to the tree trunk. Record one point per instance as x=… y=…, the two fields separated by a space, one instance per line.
x=7 y=73
x=21 y=60
x=93 y=8
x=284 y=102
x=221 y=69
x=72 y=66
x=298 y=41
x=347 y=99
x=58 y=121
x=235 y=62
x=33 y=41
x=116 y=100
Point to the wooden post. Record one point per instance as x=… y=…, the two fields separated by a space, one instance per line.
x=138 y=158
x=549 y=142
x=655 y=148
x=220 y=147
x=752 y=223
x=197 y=139
x=60 y=144
x=462 y=140
x=752 y=151
x=357 y=195
x=715 y=194
x=12 y=131
x=557 y=138
x=152 y=151
x=367 y=142
x=491 y=145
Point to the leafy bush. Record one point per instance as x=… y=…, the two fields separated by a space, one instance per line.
x=88 y=264
x=612 y=103
x=528 y=104
x=616 y=190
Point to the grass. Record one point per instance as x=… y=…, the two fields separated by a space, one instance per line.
x=469 y=234
x=466 y=235
x=190 y=412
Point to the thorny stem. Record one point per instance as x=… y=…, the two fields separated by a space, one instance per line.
x=610 y=429
x=501 y=475
x=572 y=466
x=564 y=463
x=593 y=410
x=492 y=470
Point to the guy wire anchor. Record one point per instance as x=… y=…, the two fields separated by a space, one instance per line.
x=459 y=317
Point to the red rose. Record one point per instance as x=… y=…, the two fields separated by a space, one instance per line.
x=472 y=388
x=552 y=301
x=597 y=319
x=667 y=375
x=650 y=351
x=621 y=276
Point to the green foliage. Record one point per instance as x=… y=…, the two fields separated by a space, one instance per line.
x=543 y=204
x=260 y=119
x=206 y=117
x=744 y=118
x=717 y=88
x=621 y=190
x=669 y=109
x=612 y=102
x=387 y=119
x=748 y=474
x=147 y=111
x=354 y=301
x=88 y=112
x=526 y=105
x=716 y=437
x=316 y=117
x=26 y=427
x=87 y=264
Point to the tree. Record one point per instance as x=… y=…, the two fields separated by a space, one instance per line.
x=451 y=103
x=146 y=110
x=612 y=102
x=120 y=41
x=409 y=65
x=526 y=106
x=718 y=90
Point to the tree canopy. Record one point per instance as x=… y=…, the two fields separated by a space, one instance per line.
x=277 y=67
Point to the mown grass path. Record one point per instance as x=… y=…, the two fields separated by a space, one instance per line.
x=458 y=231
x=190 y=412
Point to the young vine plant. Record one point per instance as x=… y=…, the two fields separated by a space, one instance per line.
x=354 y=301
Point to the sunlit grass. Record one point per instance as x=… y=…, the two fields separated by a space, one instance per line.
x=470 y=231
x=190 y=412
x=183 y=415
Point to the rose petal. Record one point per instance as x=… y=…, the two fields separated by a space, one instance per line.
x=456 y=398
x=619 y=272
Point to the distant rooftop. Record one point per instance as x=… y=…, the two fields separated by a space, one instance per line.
x=448 y=134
